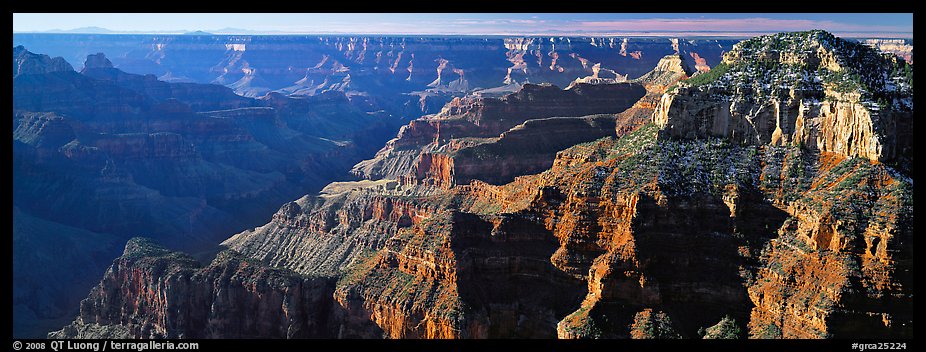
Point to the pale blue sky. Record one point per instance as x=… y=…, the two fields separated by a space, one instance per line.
x=899 y=25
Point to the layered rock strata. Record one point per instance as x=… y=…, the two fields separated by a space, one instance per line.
x=232 y=297
x=472 y=134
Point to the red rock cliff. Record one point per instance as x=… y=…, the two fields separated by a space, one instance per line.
x=150 y=292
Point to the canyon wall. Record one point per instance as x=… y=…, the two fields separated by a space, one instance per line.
x=512 y=130
x=406 y=77
x=813 y=94
x=230 y=298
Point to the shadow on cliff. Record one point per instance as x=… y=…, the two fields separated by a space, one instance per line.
x=507 y=281
x=695 y=258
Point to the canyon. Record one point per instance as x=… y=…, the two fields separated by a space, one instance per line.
x=103 y=154
x=765 y=192
x=187 y=139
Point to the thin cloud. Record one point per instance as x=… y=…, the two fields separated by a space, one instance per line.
x=473 y=24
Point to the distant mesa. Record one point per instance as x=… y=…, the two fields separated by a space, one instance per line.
x=97 y=60
x=83 y=30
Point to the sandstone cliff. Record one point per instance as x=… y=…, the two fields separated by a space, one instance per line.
x=670 y=70
x=232 y=297
x=473 y=135
x=806 y=89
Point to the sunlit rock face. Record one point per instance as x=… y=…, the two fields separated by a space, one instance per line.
x=804 y=89
x=494 y=139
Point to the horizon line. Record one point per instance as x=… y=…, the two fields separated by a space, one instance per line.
x=655 y=33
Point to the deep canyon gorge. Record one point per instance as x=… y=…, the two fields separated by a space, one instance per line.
x=214 y=186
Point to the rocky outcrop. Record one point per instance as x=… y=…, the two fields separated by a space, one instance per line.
x=525 y=149
x=663 y=237
x=325 y=234
x=842 y=263
x=694 y=239
x=96 y=61
x=435 y=168
x=43 y=130
x=25 y=62
x=668 y=72
x=476 y=131
x=456 y=275
x=618 y=231
x=150 y=292
x=807 y=89
x=540 y=101
x=199 y=97
x=602 y=76
x=629 y=274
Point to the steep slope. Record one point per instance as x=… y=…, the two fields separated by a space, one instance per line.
x=808 y=283
x=25 y=62
x=648 y=232
x=807 y=88
x=353 y=225
x=669 y=70
x=349 y=222
x=230 y=298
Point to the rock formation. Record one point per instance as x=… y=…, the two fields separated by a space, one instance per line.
x=230 y=298
x=808 y=89
x=96 y=61
x=25 y=62
x=669 y=70
x=472 y=136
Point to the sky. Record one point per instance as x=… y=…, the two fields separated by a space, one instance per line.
x=857 y=24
